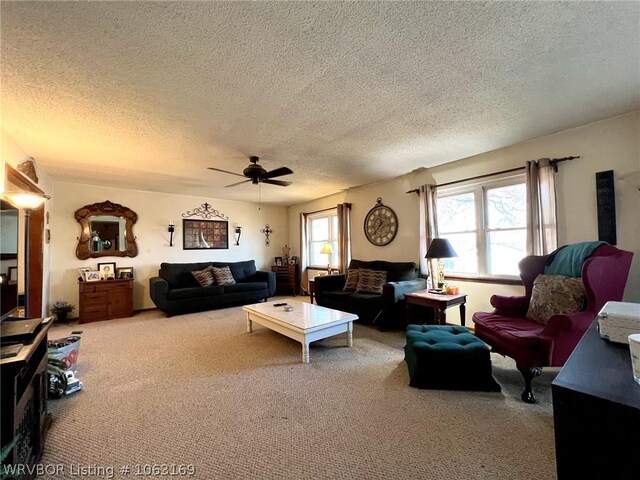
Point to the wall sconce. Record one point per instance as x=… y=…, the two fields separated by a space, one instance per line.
x=171 y=228
x=238 y=233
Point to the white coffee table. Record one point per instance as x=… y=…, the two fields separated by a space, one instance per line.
x=305 y=324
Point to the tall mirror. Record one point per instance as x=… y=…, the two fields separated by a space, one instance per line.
x=106 y=231
x=9 y=234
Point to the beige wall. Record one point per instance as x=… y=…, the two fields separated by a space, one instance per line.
x=609 y=144
x=612 y=144
x=154 y=211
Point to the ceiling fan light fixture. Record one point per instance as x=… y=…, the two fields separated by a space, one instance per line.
x=257 y=174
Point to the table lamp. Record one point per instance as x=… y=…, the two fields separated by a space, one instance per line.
x=440 y=248
x=326 y=249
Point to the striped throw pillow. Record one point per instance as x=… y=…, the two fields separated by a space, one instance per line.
x=371 y=281
x=223 y=276
x=352 y=280
x=204 y=276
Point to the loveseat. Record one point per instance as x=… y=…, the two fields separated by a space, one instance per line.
x=177 y=291
x=385 y=309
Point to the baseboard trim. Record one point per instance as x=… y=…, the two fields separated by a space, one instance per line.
x=140 y=310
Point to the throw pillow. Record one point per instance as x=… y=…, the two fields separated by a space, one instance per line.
x=352 y=280
x=204 y=276
x=553 y=295
x=371 y=281
x=223 y=276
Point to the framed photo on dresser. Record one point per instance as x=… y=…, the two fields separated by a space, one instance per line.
x=124 y=272
x=107 y=270
x=92 y=276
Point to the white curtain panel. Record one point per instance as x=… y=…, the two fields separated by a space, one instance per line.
x=542 y=229
x=344 y=236
x=428 y=223
x=304 y=254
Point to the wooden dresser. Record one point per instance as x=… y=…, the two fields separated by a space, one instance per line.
x=287 y=279
x=105 y=299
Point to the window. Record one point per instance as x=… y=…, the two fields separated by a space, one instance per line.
x=322 y=227
x=486 y=224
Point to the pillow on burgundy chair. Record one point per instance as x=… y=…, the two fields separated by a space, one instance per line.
x=553 y=295
x=352 y=280
x=371 y=281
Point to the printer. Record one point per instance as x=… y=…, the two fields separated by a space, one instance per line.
x=618 y=320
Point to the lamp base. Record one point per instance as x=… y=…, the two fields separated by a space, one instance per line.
x=440 y=273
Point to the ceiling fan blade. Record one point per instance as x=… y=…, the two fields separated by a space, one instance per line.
x=225 y=171
x=278 y=172
x=281 y=183
x=234 y=184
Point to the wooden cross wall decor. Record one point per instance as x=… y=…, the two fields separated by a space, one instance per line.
x=267 y=230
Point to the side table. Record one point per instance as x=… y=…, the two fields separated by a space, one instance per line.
x=439 y=301
x=312 y=290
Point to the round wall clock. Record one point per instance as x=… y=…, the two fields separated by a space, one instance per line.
x=381 y=224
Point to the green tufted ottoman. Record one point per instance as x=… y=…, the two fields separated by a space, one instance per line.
x=448 y=357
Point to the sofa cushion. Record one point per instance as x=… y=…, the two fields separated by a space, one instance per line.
x=245 y=287
x=553 y=295
x=337 y=295
x=371 y=281
x=366 y=301
x=194 y=292
x=519 y=333
x=178 y=275
x=240 y=270
x=396 y=271
x=352 y=280
x=223 y=276
x=204 y=277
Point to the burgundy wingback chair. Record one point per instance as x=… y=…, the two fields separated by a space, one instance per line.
x=532 y=345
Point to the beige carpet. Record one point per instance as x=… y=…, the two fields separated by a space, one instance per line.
x=198 y=390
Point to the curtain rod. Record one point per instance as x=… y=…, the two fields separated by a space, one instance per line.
x=554 y=163
x=319 y=211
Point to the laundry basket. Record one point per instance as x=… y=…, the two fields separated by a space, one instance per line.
x=65 y=349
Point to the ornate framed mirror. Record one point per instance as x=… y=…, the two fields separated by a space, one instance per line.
x=106 y=231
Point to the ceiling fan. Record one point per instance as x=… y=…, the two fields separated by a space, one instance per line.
x=256 y=174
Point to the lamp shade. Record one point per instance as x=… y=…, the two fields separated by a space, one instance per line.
x=326 y=248
x=440 y=248
x=26 y=201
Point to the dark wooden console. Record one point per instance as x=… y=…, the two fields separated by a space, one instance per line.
x=287 y=279
x=25 y=387
x=105 y=299
x=596 y=411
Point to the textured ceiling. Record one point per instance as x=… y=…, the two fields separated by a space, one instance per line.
x=146 y=95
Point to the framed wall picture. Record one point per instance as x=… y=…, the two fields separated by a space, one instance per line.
x=92 y=276
x=205 y=234
x=107 y=270
x=124 y=272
